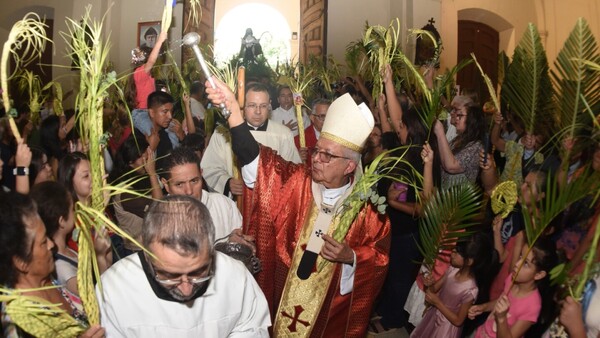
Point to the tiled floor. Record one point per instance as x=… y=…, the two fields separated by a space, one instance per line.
x=394 y=333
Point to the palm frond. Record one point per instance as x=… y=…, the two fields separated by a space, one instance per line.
x=573 y=79
x=503 y=64
x=447 y=217
x=37 y=316
x=527 y=87
x=556 y=201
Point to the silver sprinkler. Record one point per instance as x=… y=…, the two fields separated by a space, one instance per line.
x=192 y=39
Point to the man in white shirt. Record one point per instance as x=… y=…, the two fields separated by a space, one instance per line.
x=286 y=112
x=196 y=92
x=184 y=288
x=181 y=175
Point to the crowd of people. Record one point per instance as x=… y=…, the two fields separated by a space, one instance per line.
x=251 y=183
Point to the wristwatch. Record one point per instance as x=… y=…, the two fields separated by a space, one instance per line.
x=21 y=171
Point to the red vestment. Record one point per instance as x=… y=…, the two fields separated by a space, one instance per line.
x=282 y=199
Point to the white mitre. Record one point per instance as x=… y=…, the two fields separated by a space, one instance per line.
x=347 y=123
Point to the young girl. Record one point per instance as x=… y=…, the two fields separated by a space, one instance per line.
x=74 y=175
x=452 y=295
x=520 y=304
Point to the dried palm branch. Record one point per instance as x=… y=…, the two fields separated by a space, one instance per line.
x=195 y=14
x=327 y=72
x=299 y=83
x=37 y=316
x=503 y=63
x=94 y=88
x=26 y=42
x=447 y=217
x=177 y=72
x=32 y=84
x=527 y=87
x=381 y=44
x=167 y=15
x=573 y=80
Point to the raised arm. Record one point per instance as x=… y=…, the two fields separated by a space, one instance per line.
x=394 y=107
x=449 y=162
x=189 y=119
x=162 y=37
x=383 y=116
x=497 y=141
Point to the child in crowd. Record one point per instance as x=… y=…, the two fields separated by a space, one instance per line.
x=74 y=175
x=521 y=302
x=451 y=296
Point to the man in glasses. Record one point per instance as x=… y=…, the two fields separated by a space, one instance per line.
x=182 y=287
x=294 y=211
x=312 y=132
x=218 y=162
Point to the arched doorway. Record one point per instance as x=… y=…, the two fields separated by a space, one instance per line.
x=268 y=25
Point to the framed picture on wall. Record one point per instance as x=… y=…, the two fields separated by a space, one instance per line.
x=147 y=33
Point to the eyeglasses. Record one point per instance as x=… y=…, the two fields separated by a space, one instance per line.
x=453 y=113
x=253 y=106
x=325 y=157
x=175 y=282
x=320 y=117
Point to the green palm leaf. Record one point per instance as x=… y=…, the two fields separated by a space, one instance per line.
x=527 y=87
x=447 y=216
x=573 y=78
x=503 y=63
x=556 y=201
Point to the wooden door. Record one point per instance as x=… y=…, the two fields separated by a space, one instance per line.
x=483 y=40
x=206 y=26
x=313 y=32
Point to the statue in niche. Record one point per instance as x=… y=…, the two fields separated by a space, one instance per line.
x=426 y=52
x=250 y=48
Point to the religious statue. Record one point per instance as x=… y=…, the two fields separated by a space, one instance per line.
x=250 y=48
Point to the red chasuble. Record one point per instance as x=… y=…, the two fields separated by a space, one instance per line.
x=282 y=199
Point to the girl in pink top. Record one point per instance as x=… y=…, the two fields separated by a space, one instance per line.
x=141 y=82
x=519 y=306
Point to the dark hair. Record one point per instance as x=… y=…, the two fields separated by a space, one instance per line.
x=53 y=202
x=179 y=156
x=66 y=171
x=132 y=148
x=195 y=141
x=158 y=98
x=37 y=163
x=196 y=87
x=280 y=88
x=545 y=259
x=49 y=139
x=479 y=247
x=258 y=87
x=474 y=129
x=14 y=239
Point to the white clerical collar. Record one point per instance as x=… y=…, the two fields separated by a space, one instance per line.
x=331 y=196
x=262 y=127
x=317 y=133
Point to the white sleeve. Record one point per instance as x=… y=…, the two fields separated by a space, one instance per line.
x=249 y=173
x=254 y=319
x=108 y=317
x=347 y=282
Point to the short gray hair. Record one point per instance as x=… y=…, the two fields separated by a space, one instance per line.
x=181 y=223
x=319 y=101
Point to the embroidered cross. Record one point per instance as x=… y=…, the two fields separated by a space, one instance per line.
x=431 y=21
x=295 y=318
x=319 y=233
x=326 y=210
